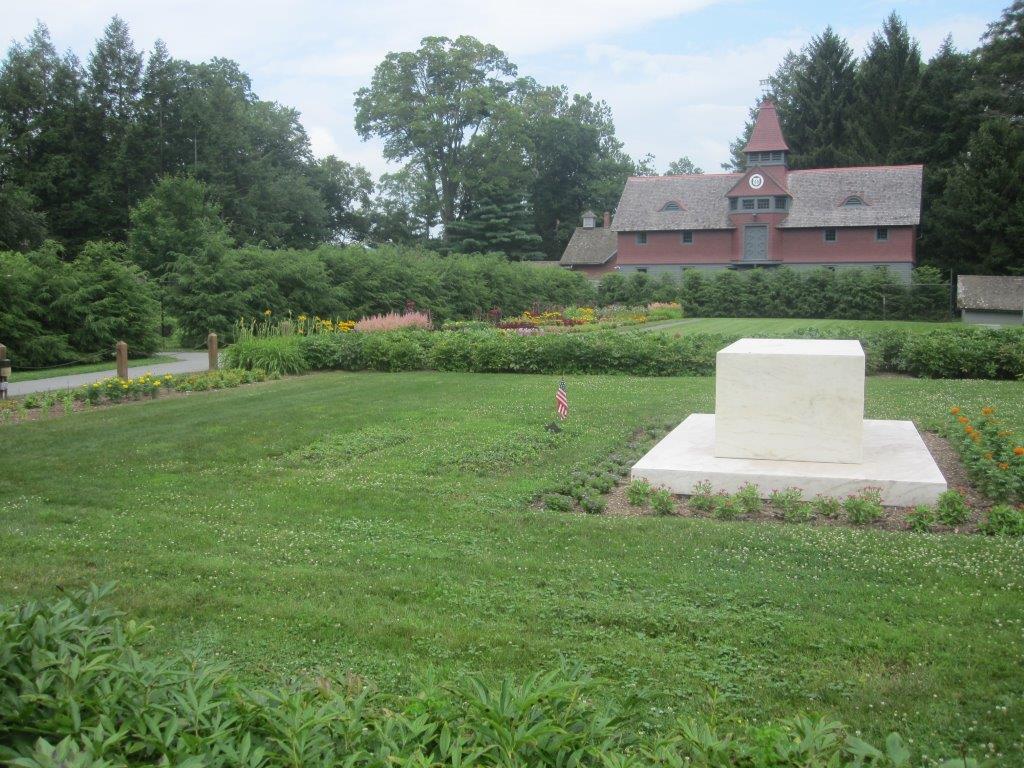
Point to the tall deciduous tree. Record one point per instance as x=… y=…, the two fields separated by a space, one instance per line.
x=427 y=104
x=684 y=165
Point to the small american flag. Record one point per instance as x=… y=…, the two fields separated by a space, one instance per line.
x=562 y=400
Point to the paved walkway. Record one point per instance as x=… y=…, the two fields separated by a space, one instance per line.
x=187 y=362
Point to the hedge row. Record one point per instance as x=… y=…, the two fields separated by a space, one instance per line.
x=77 y=693
x=958 y=353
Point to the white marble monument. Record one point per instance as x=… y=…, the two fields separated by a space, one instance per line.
x=790 y=412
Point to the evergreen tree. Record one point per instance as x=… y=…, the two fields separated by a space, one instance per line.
x=1002 y=62
x=888 y=95
x=499 y=221
x=819 y=106
x=977 y=224
x=113 y=88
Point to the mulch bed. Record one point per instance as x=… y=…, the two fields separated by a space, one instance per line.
x=893 y=519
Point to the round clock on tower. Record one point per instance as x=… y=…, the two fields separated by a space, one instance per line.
x=756 y=181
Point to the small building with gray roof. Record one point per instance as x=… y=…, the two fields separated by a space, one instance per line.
x=990 y=300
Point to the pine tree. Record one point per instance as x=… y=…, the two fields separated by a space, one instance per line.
x=500 y=221
x=888 y=95
x=1002 y=62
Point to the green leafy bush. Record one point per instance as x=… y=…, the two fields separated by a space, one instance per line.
x=78 y=693
x=602 y=483
x=789 y=504
x=274 y=354
x=1004 y=520
x=921 y=518
x=558 y=502
x=864 y=508
x=638 y=492
x=663 y=502
x=952 y=509
x=826 y=506
x=593 y=504
x=703 y=497
x=726 y=507
x=748 y=498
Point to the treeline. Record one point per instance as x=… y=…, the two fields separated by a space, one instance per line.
x=960 y=113
x=81 y=144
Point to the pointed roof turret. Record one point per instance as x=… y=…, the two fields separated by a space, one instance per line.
x=767 y=133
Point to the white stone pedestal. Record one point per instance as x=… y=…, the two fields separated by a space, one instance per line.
x=790 y=399
x=790 y=412
x=896 y=461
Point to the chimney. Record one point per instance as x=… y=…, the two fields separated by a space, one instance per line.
x=607 y=219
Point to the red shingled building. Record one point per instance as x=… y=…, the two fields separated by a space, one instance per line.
x=764 y=217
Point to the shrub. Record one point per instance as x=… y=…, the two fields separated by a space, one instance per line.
x=662 y=502
x=952 y=509
x=394 y=321
x=703 y=497
x=638 y=492
x=726 y=507
x=826 y=506
x=921 y=518
x=1004 y=520
x=602 y=483
x=992 y=452
x=788 y=503
x=274 y=354
x=864 y=508
x=80 y=692
x=748 y=498
x=593 y=505
x=558 y=502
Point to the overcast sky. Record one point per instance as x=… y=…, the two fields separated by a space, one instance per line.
x=679 y=75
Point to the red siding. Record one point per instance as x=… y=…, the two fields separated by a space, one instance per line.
x=709 y=246
x=794 y=246
x=852 y=244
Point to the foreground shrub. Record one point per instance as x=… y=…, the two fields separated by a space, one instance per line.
x=992 y=452
x=273 y=354
x=662 y=502
x=393 y=321
x=638 y=492
x=596 y=351
x=921 y=518
x=1004 y=520
x=78 y=692
x=951 y=508
x=864 y=508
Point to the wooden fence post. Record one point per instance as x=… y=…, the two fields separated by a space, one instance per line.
x=122 y=360
x=211 y=349
x=5 y=371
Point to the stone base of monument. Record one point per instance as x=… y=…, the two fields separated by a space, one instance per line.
x=895 y=461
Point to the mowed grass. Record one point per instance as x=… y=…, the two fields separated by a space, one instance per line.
x=773 y=325
x=380 y=524
x=103 y=365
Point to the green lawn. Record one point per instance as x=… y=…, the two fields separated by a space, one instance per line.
x=762 y=326
x=379 y=524
x=103 y=365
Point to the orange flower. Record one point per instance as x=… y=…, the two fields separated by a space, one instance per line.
x=988 y=455
x=988 y=410
x=1019 y=450
x=968 y=429
x=963 y=419
x=976 y=437
x=1003 y=465
x=954 y=410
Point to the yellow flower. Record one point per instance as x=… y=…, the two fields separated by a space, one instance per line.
x=267 y=313
x=988 y=410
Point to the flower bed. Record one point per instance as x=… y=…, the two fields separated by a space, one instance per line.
x=992 y=453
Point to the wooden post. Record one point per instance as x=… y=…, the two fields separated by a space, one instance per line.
x=211 y=349
x=122 y=360
x=5 y=371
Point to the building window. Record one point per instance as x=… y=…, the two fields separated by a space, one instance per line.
x=830 y=235
x=642 y=269
x=687 y=237
x=641 y=238
x=748 y=204
x=882 y=234
x=780 y=203
x=853 y=200
x=763 y=203
x=671 y=205
x=733 y=203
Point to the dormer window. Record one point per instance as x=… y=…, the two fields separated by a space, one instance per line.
x=671 y=205
x=853 y=201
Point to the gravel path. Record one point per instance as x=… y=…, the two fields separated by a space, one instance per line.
x=187 y=362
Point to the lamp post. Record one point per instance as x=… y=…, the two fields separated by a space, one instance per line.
x=5 y=372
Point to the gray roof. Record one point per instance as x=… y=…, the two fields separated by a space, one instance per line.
x=892 y=195
x=702 y=198
x=1001 y=294
x=589 y=245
